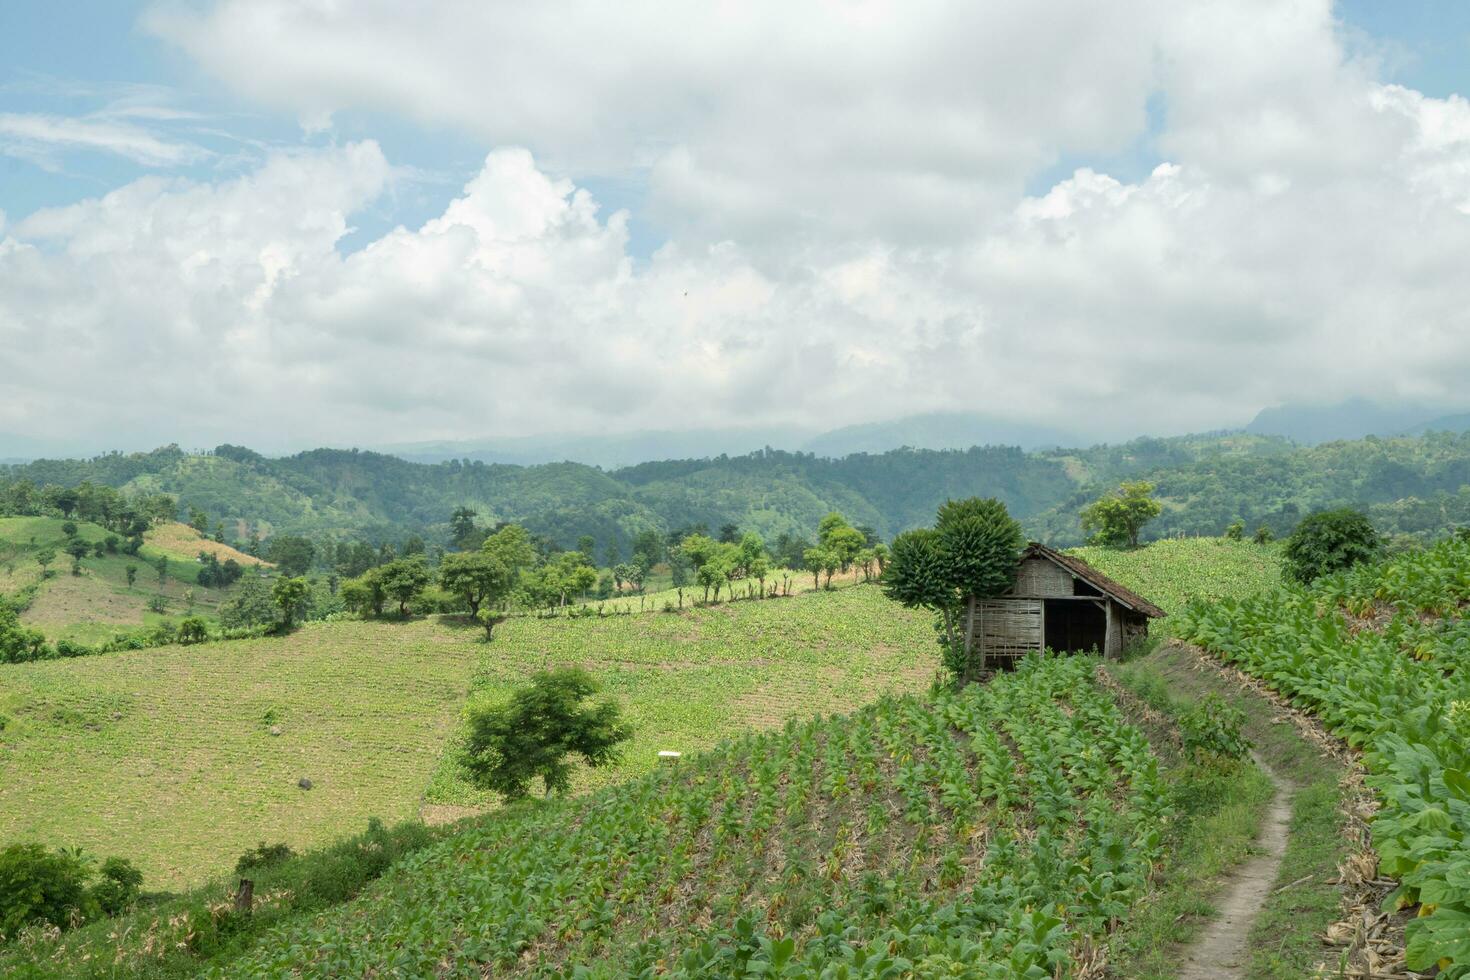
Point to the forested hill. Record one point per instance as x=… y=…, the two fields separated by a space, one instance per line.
x=1409 y=485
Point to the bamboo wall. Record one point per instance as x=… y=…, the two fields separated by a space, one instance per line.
x=1039 y=577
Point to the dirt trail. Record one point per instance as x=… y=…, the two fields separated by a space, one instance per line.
x=1221 y=952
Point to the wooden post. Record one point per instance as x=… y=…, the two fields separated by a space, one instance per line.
x=245 y=897
x=1107 y=650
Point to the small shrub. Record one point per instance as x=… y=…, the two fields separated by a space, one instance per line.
x=263 y=856
x=70 y=648
x=118 y=887
x=158 y=604
x=1214 y=727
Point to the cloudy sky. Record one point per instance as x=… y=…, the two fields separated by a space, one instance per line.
x=286 y=223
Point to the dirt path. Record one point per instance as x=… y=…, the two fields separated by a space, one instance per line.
x=1221 y=952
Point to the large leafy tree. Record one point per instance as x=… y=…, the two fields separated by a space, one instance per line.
x=404 y=579
x=290 y=595
x=971 y=554
x=1117 y=518
x=475 y=577
x=1330 y=541
x=532 y=735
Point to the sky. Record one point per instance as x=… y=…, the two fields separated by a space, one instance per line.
x=286 y=224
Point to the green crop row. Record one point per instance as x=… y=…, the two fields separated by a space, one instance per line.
x=987 y=833
x=1365 y=651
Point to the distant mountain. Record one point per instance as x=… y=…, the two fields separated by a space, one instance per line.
x=1312 y=425
x=1445 y=423
x=937 y=430
x=606 y=451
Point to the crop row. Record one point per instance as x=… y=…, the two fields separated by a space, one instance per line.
x=982 y=833
x=1369 y=652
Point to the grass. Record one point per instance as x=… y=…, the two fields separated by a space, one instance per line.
x=919 y=836
x=1171 y=572
x=91 y=607
x=1286 y=939
x=689 y=680
x=165 y=755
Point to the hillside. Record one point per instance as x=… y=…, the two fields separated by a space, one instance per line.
x=1410 y=485
x=167 y=755
x=100 y=601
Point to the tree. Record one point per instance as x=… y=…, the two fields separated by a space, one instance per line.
x=623 y=572
x=198 y=520
x=1330 y=541
x=1235 y=531
x=462 y=530
x=78 y=549
x=364 y=594
x=758 y=569
x=814 y=560
x=545 y=721
x=1117 y=518
x=69 y=529
x=292 y=555
x=289 y=595
x=585 y=544
x=751 y=548
x=512 y=545
x=880 y=555
x=841 y=539
x=132 y=573
x=729 y=533
x=45 y=557
x=1264 y=535
x=971 y=554
x=475 y=577
x=403 y=580
x=251 y=606
x=162 y=566
x=193 y=630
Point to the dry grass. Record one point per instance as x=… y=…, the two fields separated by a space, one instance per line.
x=186 y=543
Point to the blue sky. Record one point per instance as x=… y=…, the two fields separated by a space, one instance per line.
x=77 y=58
x=838 y=213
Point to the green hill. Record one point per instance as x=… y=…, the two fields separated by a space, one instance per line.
x=1409 y=485
x=166 y=755
x=99 y=602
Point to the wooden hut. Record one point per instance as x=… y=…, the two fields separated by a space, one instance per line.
x=1059 y=603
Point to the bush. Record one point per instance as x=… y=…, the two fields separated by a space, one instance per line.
x=40 y=886
x=1330 y=541
x=1214 y=727
x=158 y=604
x=263 y=856
x=71 y=648
x=119 y=886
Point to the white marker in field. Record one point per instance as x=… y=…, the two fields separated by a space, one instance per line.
x=668 y=756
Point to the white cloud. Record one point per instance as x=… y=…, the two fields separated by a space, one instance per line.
x=850 y=238
x=40 y=137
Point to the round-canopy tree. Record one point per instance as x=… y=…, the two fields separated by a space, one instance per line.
x=1117 y=518
x=532 y=735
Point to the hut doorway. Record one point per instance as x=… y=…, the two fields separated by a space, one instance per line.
x=1075 y=626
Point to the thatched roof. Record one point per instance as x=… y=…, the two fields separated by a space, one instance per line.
x=1096 y=579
